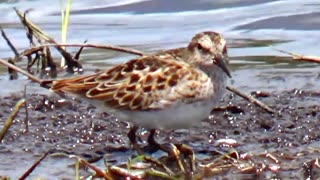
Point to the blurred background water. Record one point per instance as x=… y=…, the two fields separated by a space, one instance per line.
x=250 y=27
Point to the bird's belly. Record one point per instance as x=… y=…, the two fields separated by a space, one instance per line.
x=175 y=117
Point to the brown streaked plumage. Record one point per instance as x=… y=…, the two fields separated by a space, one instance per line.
x=139 y=84
x=170 y=89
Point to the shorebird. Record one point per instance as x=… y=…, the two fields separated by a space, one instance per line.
x=171 y=89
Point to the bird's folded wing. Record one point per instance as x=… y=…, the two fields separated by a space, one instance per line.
x=147 y=83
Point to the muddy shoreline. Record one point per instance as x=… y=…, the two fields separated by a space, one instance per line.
x=78 y=128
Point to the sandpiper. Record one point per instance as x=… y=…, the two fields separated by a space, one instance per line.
x=171 y=89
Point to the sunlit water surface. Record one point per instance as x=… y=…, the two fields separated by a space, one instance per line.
x=252 y=28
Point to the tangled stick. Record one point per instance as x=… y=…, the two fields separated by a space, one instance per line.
x=299 y=57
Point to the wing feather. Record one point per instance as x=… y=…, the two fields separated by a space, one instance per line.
x=147 y=83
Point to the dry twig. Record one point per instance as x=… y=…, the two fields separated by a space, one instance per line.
x=299 y=57
x=99 y=46
x=98 y=171
x=35 y=31
x=26 y=120
x=32 y=77
x=251 y=99
x=13 y=74
x=14 y=50
x=11 y=118
x=32 y=168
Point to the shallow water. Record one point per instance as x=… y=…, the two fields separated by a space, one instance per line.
x=252 y=28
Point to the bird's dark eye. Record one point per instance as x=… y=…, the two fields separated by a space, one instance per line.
x=202 y=49
x=199 y=46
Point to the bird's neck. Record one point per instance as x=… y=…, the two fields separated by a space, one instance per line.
x=214 y=72
x=219 y=80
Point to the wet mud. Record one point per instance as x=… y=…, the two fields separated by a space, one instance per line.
x=284 y=146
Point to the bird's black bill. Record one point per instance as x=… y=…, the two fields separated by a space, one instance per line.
x=222 y=64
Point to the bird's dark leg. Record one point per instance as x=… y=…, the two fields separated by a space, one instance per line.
x=133 y=139
x=169 y=148
x=151 y=140
x=173 y=150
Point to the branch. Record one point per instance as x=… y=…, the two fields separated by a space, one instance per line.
x=299 y=57
x=251 y=99
x=35 y=31
x=36 y=164
x=5 y=37
x=32 y=77
x=99 y=46
x=11 y=118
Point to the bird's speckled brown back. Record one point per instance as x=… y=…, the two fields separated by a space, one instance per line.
x=146 y=83
x=169 y=78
